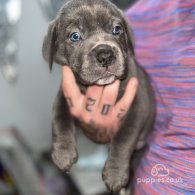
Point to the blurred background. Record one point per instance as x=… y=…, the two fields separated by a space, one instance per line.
x=27 y=92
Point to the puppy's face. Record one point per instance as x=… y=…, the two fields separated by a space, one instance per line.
x=91 y=37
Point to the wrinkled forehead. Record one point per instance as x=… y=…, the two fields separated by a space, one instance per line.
x=91 y=16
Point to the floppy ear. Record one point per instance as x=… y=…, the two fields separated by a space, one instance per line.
x=130 y=37
x=49 y=44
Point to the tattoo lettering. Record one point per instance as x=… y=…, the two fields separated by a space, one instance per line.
x=121 y=115
x=90 y=103
x=105 y=109
x=69 y=101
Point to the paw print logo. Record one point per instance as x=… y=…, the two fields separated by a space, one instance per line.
x=159 y=170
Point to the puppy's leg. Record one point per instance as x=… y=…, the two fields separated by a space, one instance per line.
x=64 y=152
x=124 y=191
x=117 y=168
x=135 y=161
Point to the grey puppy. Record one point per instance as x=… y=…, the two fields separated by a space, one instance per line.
x=93 y=38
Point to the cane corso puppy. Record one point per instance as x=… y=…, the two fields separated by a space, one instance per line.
x=94 y=40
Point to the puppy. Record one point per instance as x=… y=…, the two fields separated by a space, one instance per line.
x=93 y=38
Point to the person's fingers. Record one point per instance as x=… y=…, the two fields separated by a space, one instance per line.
x=71 y=90
x=69 y=83
x=125 y=102
x=92 y=98
x=108 y=98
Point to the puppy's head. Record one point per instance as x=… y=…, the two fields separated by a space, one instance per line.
x=93 y=38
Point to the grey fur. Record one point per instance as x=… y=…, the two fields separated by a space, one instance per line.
x=95 y=19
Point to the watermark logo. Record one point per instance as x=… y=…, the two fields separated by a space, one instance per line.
x=159 y=170
x=159 y=174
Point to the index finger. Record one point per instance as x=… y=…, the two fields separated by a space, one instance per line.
x=70 y=88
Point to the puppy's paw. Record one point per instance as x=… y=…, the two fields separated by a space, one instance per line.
x=63 y=158
x=115 y=176
x=125 y=191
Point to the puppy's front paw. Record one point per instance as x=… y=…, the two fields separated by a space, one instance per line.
x=115 y=176
x=125 y=191
x=63 y=158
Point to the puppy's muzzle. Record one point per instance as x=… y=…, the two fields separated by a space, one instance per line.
x=104 y=55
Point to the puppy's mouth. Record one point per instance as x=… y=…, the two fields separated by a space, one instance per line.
x=100 y=77
x=106 y=79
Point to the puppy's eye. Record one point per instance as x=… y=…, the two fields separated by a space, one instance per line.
x=75 y=36
x=117 y=30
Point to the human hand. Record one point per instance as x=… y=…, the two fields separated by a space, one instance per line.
x=99 y=113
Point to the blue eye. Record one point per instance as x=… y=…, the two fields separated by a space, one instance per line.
x=116 y=30
x=75 y=36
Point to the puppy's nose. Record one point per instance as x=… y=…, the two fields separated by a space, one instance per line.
x=104 y=55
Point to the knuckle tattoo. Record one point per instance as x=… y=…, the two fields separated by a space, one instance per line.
x=90 y=102
x=121 y=115
x=69 y=101
x=105 y=109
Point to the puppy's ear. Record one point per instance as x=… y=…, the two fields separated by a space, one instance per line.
x=130 y=37
x=49 y=44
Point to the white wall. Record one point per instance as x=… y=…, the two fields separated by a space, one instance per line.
x=27 y=104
